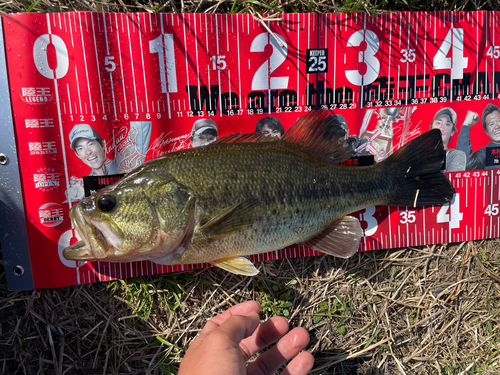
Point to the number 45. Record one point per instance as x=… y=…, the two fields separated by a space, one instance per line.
x=491 y=210
x=493 y=52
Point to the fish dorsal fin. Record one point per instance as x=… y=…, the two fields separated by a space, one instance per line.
x=245 y=138
x=237 y=265
x=235 y=218
x=320 y=131
x=341 y=239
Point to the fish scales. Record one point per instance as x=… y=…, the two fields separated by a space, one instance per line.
x=245 y=195
x=311 y=197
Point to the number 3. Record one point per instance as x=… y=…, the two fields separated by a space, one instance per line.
x=367 y=216
x=367 y=57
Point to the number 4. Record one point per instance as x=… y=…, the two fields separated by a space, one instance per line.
x=456 y=216
x=457 y=62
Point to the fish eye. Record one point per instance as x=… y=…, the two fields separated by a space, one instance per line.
x=106 y=203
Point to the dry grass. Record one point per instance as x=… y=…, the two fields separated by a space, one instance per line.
x=408 y=311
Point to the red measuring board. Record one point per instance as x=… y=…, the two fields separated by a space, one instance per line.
x=137 y=83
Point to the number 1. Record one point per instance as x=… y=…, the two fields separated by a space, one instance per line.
x=165 y=42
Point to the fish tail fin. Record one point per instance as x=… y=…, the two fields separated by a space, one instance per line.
x=416 y=172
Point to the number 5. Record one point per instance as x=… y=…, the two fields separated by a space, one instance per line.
x=108 y=60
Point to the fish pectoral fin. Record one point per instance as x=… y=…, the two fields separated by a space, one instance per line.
x=234 y=219
x=238 y=266
x=341 y=239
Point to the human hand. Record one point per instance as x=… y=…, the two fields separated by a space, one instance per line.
x=471 y=118
x=228 y=340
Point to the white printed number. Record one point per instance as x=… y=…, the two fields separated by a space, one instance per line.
x=407 y=217
x=454 y=217
x=441 y=59
x=218 y=62
x=367 y=57
x=318 y=63
x=261 y=79
x=493 y=52
x=109 y=64
x=164 y=47
x=367 y=216
x=40 y=56
x=492 y=210
x=408 y=55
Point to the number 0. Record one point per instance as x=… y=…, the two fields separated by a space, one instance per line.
x=41 y=58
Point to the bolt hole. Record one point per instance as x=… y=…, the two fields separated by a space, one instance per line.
x=18 y=270
x=3 y=159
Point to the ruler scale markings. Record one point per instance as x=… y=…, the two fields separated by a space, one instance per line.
x=477 y=51
x=186 y=58
x=298 y=59
x=389 y=63
x=475 y=215
x=493 y=27
x=78 y=89
x=85 y=62
x=70 y=30
x=415 y=68
x=142 y=60
x=61 y=133
x=325 y=45
x=486 y=60
x=110 y=73
x=69 y=99
x=269 y=75
x=407 y=62
x=218 y=70
x=133 y=68
x=491 y=200
x=163 y=61
x=227 y=33
x=308 y=46
x=364 y=39
x=238 y=53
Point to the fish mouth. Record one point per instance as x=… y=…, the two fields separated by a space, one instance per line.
x=98 y=238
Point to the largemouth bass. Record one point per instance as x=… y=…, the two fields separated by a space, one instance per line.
x=248 y=194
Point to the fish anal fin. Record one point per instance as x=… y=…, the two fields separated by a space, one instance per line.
x=237 y=265
x=321 y=131
x=341 y=239
x=236 y=218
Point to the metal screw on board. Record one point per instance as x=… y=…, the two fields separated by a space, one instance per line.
x=3 y=159
x=18 y=270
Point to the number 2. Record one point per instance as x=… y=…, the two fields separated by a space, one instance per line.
x=260 y=79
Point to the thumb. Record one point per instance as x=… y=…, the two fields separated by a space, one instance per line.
x=237 y=328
